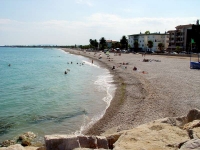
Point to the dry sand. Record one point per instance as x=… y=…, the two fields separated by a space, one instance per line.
x=167 y=88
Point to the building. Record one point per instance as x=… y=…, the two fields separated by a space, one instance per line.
x=109 y=43
x=180 y=38
x=143 y=39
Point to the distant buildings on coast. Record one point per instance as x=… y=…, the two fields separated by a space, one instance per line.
x=180 y=38
x=143 y=39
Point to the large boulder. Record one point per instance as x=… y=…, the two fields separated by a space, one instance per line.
x=87 y=141
x=13 y=147
x=152 y=136
x=61 y=142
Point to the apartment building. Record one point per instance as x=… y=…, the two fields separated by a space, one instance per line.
x=180 y=37
x=143 y=39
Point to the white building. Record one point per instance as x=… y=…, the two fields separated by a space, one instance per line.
x=143 y=39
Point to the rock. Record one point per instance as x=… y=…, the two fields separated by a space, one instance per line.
x=13 y=147
x=7 y=143
x=191 y=125
x=26 y=142
x=152 y=136
x=102 y=142
x=41 y=148
x=193 y=114
x=113 y=138
x=174 y=121
x=61 y=142
x=193 y=144
x=87 y=142
x=31 y=148
x=196 y=132
x=27 y=135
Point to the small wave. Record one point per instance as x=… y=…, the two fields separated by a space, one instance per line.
x=90 y=64
x=104 y=83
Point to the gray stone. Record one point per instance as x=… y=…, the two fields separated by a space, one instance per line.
x=102 y=142
x=26 y=142
x=87 y=141
x=113 y=138
x=61 y=142
x=193 y=144
x=13 y=147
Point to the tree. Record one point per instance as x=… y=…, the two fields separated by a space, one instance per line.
x=102 y=43
x=150 y=44
x=178 y=50
x=116 y=45
x=147 y=32
x=93 y=43
x=124 y=42
x=160 y=46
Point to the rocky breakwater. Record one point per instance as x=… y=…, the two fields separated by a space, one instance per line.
x=171 y=133
x=168 y=134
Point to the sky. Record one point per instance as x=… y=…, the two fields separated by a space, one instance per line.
x=70 y=22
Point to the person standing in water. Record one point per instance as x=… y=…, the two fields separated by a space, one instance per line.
x=92 y=61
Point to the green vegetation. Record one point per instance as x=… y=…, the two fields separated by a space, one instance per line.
x=147 y=32
x=161 y=46
x=178 y=49
x=102 y=43
x=150 y=44
x=94 y=44
x=116 y=45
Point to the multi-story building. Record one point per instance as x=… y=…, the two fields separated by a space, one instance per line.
x=180 y=38
x=143 y=39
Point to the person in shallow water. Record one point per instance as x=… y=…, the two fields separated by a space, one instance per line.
x=65 y=72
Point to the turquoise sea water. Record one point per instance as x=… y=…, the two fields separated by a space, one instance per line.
x=36 y=95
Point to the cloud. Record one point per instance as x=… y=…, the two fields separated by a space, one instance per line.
x=63 y=32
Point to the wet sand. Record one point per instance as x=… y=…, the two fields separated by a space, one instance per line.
x=163 y=87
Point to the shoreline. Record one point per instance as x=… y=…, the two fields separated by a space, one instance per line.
x=115 y=110
x=152 y=92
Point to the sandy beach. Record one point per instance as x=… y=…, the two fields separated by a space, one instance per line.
x=163 y=87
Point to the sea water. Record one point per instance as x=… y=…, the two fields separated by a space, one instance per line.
x=36 y=95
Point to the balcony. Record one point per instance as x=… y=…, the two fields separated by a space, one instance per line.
x=179 y=41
